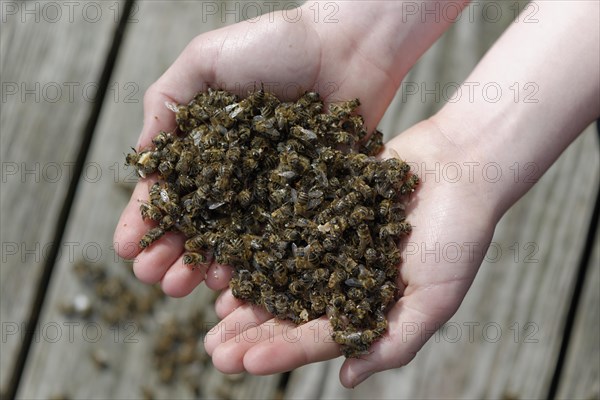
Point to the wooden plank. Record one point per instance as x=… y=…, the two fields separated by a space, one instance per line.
x=581 y=374
x=51 y=59
x=163 y=29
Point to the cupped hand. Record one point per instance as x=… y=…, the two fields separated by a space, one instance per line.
x=289 y=58
x=452 y=227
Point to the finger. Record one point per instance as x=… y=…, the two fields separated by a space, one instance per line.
x=292 y=348
x=131 y=226
x=151 y=264
x=228 y=357
x=226 y=303
x=408 y=330
x=180 y=279
x=218 y=276
x=245 y=317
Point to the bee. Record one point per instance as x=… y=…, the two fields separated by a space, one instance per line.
x=186 y=159
x=147 y=393
x=361 y=214
x=185 y=183
x=314 y=254
x=221 y=119
x=163 y=139
x=318 y=303
x=364 y=238
x=321 y=275
x=195 y=244
x=145 y=162
x=300 y=312
x=374 y=144
x=337 y=226
x=151 y=236
x=409 y=185
x=244 y=197
x=308 y=98
x=285 y=115
x=282 y=214
x=343 y=109
x=394 y=229
x=166 y=222
x=387 y=293
x=79 y=306
x=290 y=235
x=193 y=259
x=290 y=145
x=258 y=278
x=263 y=261
x=278 y=197
x=393 y=255
x=356 y=293
x=268 y=301
x=330 y=244
x=281 y=303
x=336 y=278
x=241 y=289
x=344 y=138
x=302 y=134
x=166 y=372
x=266 y=127
x=150 y=211
x=99 y=358
x=280 y=276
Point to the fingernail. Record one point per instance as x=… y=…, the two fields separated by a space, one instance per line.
x=361 y=378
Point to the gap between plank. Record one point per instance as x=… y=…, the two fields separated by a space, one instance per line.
x=577 y=294
x=40 y=293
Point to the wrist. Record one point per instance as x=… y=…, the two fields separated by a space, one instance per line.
x=401 y=33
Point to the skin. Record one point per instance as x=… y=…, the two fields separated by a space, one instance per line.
x=556 y=54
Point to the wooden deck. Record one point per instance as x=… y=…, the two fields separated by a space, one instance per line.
x=72 y=90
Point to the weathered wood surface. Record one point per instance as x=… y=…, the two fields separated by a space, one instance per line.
x=50 y=67
x=151 y=44
x=524 y=292
x=581 y=374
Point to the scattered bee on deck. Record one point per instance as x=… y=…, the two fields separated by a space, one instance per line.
x=291 y=196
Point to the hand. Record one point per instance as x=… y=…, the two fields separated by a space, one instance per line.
x=297 y=56
x=432 y=282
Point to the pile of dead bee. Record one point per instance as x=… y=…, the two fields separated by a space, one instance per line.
x=292 y=198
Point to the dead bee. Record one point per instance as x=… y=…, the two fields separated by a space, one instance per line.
x=194 y=259
x=410 y=185
x=364 y=238
x=343 y=110
x=394 y=229
x=244 y=197
x=99 y=358
x=280 y=274
x=266 y=126
x=387 y=293
x=374 y=145
x=336 y=278
x=281 y=303
x=151 y=236
x=162 y=139
x=145 y=162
